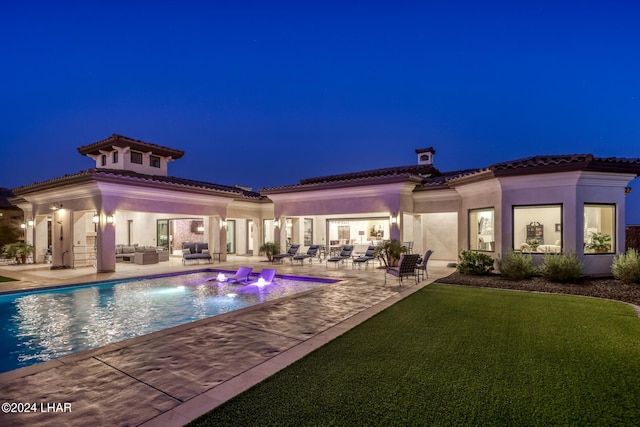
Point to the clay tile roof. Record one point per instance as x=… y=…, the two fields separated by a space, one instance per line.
x=421 y=170
x=566 y=162
x=124 y=141
x=123 y=176
x=174 y=180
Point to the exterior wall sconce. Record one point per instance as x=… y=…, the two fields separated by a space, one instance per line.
x=23 y=225
x=111 y=219
x=393 y=219
x=223 y=223
x=56 y=206
x=95 y=219
x=276 y=223
x=30 y=223
x=201 y=228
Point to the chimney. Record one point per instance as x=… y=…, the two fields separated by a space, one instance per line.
x=425 y=155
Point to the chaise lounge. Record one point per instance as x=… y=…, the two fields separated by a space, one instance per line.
x=312 y=252
x=293 y=249
x=364 y=259
x=345 y=254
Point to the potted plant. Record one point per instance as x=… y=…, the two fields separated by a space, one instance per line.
x=600 y=243
x=269 y=249
x=390 y=251
x=24 y=250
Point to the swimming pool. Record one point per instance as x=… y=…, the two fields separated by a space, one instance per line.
x=44 y=325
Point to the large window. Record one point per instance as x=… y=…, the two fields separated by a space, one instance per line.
x=599 y=226
x=537 y=228
x=481 y=229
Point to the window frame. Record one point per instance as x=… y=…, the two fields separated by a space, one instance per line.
x=613 y=235
x=469 y=233
x=538 y=205
x=134 y=155
x=154 y=161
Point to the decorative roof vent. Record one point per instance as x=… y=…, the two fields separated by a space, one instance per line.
x=425 y=155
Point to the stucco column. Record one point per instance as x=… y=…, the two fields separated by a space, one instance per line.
x=222 y=230
x=394 y=227
x=105 y=245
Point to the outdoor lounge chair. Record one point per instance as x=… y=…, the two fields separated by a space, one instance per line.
x=422 y=265
x=312 y=252
x=406 y=267
x=265 y=278
x=242 y=275
x=293 y=249
x=364 y=259
x=345 y=253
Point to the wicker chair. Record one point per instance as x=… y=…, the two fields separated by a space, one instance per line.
x=406 y=268
x=421 y=268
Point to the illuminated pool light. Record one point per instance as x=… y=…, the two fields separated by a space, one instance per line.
x=221 y=277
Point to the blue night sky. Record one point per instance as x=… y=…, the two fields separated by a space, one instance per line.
x=266 y=93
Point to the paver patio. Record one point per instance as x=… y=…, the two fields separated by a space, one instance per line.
x=170 y=377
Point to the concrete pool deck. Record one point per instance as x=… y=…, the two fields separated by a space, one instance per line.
x=171 y=377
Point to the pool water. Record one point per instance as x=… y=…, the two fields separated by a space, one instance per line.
x=43 y=325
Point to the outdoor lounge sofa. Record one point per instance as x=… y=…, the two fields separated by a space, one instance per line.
x=406 y=268
x=312 y=252
x=195 y=252
x=134 y=253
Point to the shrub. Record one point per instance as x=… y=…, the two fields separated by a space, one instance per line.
x=517 y=266
x=475 y=263
x=561 y=268
x=626 y=267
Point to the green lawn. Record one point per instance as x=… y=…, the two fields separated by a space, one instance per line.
x=450 y=355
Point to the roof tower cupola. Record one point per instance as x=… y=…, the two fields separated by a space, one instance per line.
x=121 y=152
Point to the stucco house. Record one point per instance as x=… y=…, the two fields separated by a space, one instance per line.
x=538 y=204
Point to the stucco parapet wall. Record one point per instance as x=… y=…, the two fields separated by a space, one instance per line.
x=132 y=178
x=390 y=179
x=116 y=140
